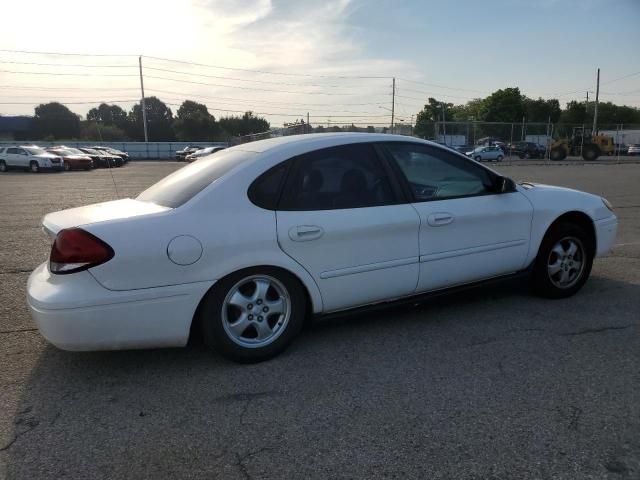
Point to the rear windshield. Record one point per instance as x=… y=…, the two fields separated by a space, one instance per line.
x=181 y=186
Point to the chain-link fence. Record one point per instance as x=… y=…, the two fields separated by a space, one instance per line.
x=516 y=141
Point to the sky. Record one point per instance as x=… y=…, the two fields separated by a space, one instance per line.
x=333 y=59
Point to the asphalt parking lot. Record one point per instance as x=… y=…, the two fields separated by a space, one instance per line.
x=494 y=383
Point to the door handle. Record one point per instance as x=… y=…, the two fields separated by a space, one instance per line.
x=439 y=219
x=304 y=233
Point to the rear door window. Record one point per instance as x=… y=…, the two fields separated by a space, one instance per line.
x=343 y=177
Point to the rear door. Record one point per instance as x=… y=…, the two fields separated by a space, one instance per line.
x=16 y=157
x=343 y=218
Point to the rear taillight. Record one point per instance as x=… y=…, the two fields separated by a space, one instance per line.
x=75 y=250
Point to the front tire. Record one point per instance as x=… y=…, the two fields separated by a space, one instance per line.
x=253 y=315
x=564 y=261
x=34 y=167
x=500 y=157
x=67 y=166
x=478 y=158
x=590 y=152
x=3 y=166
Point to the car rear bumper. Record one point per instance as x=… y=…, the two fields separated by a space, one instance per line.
x=606 y=230
x=74 y=312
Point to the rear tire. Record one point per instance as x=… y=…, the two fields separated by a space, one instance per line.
x=249 y=304
x=34 y=167
x=557 y=154
x=478 y=158
x=67 y=167
x=564 y=261
x=500 y=157
x=3 y=166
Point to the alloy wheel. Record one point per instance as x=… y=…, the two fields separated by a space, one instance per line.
x=256 y=311
x=566 y=262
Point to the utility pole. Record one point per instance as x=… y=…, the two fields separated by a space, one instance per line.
x=308 y=126
x=522 y=134
x=393 y=102
x=144 y=106
x=594 y=130
x=586 y=105
x=444 y=124
x=412 y=125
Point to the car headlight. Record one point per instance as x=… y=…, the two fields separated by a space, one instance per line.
x=607 y=203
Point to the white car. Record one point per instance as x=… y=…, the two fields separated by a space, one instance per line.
x=246 y=243
x=202 y=153
x=30 y=158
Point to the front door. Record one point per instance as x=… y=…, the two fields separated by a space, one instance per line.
x=343 y=220
x=468 y=231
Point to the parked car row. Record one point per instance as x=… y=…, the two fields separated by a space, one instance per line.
x=191 y=153
x=60 y=157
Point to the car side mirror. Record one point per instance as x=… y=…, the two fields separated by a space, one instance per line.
x=505 y=185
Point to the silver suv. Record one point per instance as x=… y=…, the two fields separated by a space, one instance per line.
x=29 y=157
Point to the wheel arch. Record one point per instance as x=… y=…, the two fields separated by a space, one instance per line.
x=311 y=292
x=579 y=218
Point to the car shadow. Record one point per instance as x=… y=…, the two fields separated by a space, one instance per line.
x=170 y=411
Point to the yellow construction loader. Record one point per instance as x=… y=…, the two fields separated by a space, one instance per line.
x=582 y=143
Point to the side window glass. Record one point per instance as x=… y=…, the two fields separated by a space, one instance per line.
x=348 y=176
x=265 y=190
x=434 y=174
x=12 y=150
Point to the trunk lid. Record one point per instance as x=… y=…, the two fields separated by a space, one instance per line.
x=98 y=212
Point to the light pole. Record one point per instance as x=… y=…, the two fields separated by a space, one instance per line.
x=444 y=124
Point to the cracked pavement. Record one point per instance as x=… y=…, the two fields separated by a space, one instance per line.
x=490 y=383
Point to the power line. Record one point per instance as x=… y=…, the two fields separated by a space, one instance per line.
x=33 y=87
x=66 y=64
x=256 y=102
x=243 y=79
x=275 y=114
x=432 y=94
x=621 y=78
x=265 y=71
x=72 y=74
x=241 y=87
x=266 y=102
x=443 y=86
x=67 y=53
x=73 y=103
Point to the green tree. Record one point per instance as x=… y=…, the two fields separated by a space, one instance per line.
x=93 y=130
x=247 y=124
x=431 y=113
x=541 y=110
x=54 y=120
x=109 y=115
x=504 y=105
x=575 y=113
x=194 y=122
x=159 y=121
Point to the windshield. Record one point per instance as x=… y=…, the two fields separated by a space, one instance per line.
x=35 y=150
x=181 y=186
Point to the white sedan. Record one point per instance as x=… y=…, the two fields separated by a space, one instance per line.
x=244 y=244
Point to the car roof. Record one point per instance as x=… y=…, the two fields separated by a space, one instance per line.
x=314 y=141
